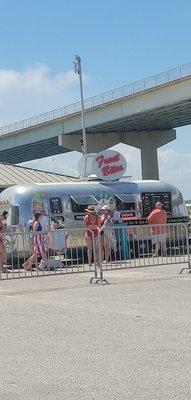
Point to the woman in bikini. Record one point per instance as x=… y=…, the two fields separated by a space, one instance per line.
x=92 y=224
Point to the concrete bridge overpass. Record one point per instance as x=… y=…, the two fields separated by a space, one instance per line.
x=143 y=114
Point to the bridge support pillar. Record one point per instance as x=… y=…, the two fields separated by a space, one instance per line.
x=147 y=141
x=149 y=163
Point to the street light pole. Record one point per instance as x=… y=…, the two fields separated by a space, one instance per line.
x=78 y=70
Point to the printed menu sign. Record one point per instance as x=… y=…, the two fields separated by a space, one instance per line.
x=150 y=199
x=55 y=205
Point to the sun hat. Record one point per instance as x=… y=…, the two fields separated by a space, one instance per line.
x=91 y=209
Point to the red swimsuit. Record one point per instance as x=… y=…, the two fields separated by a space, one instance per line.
x=95 y=231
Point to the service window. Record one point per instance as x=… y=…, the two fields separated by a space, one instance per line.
x=14 y=215
x=55 y=205
x=125 y=202
x=80 y=203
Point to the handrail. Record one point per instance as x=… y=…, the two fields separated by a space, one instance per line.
x=112 y=95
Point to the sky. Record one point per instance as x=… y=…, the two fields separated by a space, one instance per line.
x=119 y=42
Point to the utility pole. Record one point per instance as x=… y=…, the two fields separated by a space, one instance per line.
x=78 y=70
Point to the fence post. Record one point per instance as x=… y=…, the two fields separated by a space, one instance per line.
x=97 y=252
x=188 y=253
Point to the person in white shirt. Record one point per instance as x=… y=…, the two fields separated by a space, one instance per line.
x=107 y=232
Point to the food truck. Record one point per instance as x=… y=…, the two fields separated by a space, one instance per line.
x=133 y=199
x=69 y=200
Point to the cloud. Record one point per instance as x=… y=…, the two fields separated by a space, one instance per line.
x=61 y=163
x=175 y=167
x=34 y=90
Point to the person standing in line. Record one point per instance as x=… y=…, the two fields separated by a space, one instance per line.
x=38 y=243
x=57 y=236
x=158 y=220
x=3 y=217
x=44 y=221
x=108 y=238
x=92 y=224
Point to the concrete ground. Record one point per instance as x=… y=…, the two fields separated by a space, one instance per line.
x=62 y=338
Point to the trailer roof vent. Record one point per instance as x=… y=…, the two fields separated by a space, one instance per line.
x=93 y=177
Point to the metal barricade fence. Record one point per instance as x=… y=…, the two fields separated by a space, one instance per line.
x=62 y=251
x=135 y=246
x=58 y=251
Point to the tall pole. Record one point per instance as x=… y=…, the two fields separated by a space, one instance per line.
x=78 y=70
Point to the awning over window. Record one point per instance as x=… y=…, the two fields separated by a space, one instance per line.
x=125 y=197
x=84 y=199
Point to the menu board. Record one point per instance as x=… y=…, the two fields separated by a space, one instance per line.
x=149 y=199
x=55 y=205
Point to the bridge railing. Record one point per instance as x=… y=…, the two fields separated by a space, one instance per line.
x=124 y=91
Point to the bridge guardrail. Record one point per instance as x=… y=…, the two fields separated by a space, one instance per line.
x=115 y=94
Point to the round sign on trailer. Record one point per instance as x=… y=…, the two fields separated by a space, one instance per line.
x=109 y=165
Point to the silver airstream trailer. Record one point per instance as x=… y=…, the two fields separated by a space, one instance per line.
x=134 y=200
x=68 y=201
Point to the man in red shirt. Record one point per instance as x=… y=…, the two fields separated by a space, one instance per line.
x=158 y=219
